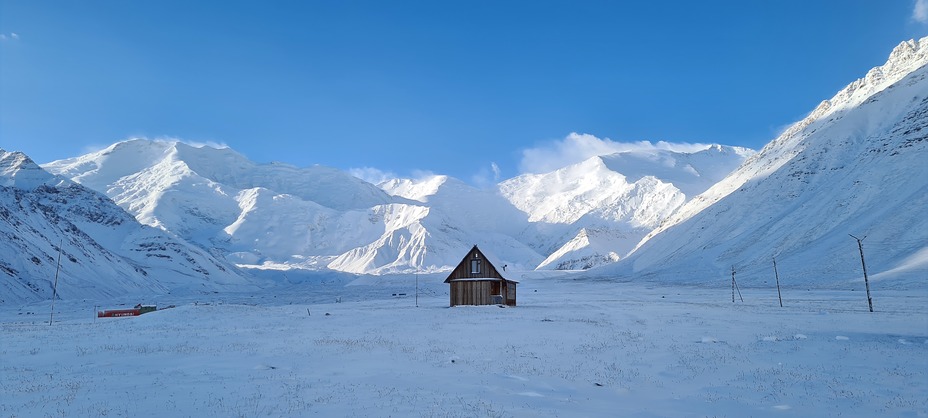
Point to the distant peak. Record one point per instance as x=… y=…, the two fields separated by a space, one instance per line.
x=162 y=144
x=134 y=145
x=13 y=155
x=18 y=170
x=14 y=161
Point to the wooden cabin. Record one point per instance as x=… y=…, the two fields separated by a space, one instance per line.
x=476 y=281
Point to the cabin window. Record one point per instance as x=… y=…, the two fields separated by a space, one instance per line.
x=475 y=266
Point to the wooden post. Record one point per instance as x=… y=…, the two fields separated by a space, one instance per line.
x=55 y=291
x=777 y=275
x=734 y=286
x=860 y=246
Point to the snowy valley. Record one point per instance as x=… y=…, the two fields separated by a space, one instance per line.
x=308 y=291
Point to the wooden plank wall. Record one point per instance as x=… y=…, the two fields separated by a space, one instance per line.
x=481 y=293
x=471 y=293
x=510 y=294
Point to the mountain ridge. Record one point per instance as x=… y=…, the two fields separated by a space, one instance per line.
x=267 y=215
x=855 y=165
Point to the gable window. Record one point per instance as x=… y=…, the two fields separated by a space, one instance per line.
x=475 y=266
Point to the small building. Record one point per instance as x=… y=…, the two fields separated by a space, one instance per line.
x=476 y=281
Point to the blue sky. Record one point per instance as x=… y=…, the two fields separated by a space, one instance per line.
x=452 y=87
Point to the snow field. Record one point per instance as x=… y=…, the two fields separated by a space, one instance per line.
x=572 y=348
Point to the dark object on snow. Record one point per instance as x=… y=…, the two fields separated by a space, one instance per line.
x=475 y=281
x=136 y=311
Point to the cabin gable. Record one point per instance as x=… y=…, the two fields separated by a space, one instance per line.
x=474 y=265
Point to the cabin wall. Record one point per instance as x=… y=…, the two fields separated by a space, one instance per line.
x=509 y=293
x=482 y=292
x=471 y=293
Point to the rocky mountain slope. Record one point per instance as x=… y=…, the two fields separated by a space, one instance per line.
x=104 y=251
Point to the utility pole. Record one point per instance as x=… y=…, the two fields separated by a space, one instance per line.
x=55 y=291
x=734 y=285
x=779 y=295
x=860 y=245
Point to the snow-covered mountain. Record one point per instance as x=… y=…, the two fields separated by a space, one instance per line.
x=858 y=164
x=594 y=212
x=278 y=216
x=454 y=217
x=104 y=250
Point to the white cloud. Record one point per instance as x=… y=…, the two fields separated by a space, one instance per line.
x=371 y=175
x=486 y=177
x=920 y=12
x=421 y=175
x=578 y=147
x=12 y=36
x=92 y=148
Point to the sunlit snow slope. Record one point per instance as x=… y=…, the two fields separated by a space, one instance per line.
x=858 y=164
x=594 y=212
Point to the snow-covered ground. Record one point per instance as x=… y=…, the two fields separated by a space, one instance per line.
x=571 y=348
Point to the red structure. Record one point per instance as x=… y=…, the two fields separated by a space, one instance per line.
x=110 y=313
x=136 y=311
